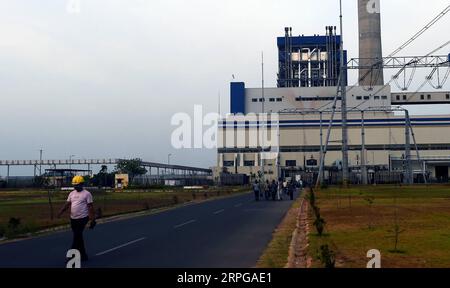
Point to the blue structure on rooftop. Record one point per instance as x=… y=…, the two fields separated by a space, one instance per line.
x=309 y=61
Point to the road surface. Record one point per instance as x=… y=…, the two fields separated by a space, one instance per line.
x=231 y=232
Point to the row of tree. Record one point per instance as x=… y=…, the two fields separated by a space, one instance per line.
x=131 y=167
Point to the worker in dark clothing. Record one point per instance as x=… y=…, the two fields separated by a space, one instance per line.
x=291 y=189
x=273 y=190
x=267 y=190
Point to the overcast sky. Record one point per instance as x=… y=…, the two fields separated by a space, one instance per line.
x=106 y=81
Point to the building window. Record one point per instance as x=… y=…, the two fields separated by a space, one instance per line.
x=358 y=97
x=398 y=97
x=279 y=99
x=272 y=99
x=249 y=163
x=376 y=97
x=422 y=97
x=404 y=97
x=228 y=163
x=384 y=97
x=366 y=97
x=298 y=98
x=254 y=100
x=447 y=96
x=262 y=100
x=429 y=97
x=291 y=163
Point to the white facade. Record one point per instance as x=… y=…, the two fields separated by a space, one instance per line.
x=299 y=134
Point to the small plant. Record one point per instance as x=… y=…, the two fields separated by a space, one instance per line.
x=2 y=231
x=175 y=199
x=370 y=201
x=396 y=235
x=319 y=223
x=327 y=257
x=15 y=228
x=14 y=224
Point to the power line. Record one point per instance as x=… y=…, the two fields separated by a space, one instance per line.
x=404 y=67
x=421 y=31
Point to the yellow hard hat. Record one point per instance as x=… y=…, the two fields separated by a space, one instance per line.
x=77 y=180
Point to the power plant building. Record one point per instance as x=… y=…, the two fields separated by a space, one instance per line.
x=295 y=116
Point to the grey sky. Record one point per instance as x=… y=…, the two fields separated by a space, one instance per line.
x=105 y=82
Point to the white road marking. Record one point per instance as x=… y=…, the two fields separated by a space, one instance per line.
x=219 y=211
x=238 y=205
x=121 y=246
x=184 y=224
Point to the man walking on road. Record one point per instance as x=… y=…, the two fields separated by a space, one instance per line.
x=81 y=207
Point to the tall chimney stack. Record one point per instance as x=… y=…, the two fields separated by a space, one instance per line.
x=370 y=42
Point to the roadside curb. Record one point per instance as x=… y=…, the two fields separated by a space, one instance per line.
x=298 y=257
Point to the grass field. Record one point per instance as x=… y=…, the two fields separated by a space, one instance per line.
x=363 y=218
x=35 y=213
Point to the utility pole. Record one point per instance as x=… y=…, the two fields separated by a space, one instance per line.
x=40 y=162
x=345 y=176
x=408 y=169
x=363 y=151
x=262 y=128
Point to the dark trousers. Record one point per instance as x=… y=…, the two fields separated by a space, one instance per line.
x=78 y=226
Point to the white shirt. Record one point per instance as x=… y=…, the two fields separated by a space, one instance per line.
x=79 y=204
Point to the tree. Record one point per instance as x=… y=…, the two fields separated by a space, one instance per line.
x=103 y=178
x=131 y=167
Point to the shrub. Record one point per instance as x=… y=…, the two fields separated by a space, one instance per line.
x=319 y=223
x=327 y=257
x=16 y=228
x=14 y=223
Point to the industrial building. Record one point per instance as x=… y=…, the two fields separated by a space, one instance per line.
x=385 y=143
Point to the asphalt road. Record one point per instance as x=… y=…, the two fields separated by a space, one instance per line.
x=225 y=233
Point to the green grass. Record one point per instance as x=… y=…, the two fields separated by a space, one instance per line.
x=354 y=227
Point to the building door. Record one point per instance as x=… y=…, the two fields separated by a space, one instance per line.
x=442 y=173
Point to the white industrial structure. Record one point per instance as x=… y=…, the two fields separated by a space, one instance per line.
x=304 y=114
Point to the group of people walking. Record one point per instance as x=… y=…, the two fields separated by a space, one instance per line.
x=275 y=190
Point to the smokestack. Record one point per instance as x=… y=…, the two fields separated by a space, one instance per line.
x=370 y=42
